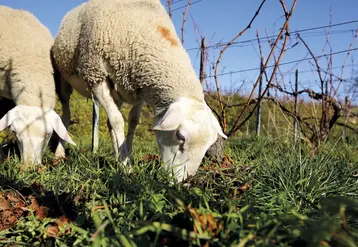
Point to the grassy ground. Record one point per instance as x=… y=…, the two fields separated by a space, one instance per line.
x=264 y=193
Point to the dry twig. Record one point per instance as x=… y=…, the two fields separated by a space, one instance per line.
x=223 y=115
x=345 y=60
x=169 y=4
x=318 y=67
x=284 y=28
x=184 y=21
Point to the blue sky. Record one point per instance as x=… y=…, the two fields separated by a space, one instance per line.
x=219 y=21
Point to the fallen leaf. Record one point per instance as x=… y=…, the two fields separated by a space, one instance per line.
x=12 y=219
x=80 y=195
x=5 y=214
x=226 y=163
x=34 y=203
x=244 y=187
x=19 y=204
x=61 y=222
x=4 y=204
x=52 y=231
x=207 y=222
x=13 y=196
x=41 y=168
x=323 y=243
x=41 y=212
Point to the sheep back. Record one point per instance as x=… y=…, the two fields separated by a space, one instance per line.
x=131 y=42
x=26 y=72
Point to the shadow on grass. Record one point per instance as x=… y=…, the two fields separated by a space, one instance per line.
x=54 y=205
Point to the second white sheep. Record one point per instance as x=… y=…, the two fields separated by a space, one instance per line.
x=26 y=78
x=128 y=51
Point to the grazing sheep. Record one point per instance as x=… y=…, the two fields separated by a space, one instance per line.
x=26 y=78
x=128 y=51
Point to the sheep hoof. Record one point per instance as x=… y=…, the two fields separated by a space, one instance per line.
x=127 y=161
x=60 y=153
x=127 y=164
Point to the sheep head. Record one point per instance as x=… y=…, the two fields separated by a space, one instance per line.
x=33 y=127
x=185 y=132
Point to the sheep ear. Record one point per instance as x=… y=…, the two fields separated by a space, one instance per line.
x=7 y=119
x=217 y=126
x=59 y=128
x=172 y=118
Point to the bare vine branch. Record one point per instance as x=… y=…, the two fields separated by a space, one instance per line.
x=318 y=67
x=348 y=126
x=345 y=60
x=284 y=28
x=184 y=21
x=223 y=115
x=169 y=4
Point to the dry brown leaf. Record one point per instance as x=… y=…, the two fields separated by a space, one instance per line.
x=96 y=208
x=18 y=212
x=52 y=231
x=4 y=204
x=6 y=214
x=57 y=161
x=7 y=219
x=12 y=219
x=206 y=221
x=41 y=212
x=19 y=204
x=212 y=225
x=41 y=168
x=244 y=187
x=62 y=221
x=80 y=195
x=323 y=243
x=226 y=163
x=13 y=196
x=34 y=203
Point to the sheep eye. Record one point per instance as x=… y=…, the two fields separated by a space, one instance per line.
x=180 y=136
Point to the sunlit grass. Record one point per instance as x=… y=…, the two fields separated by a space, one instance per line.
x=264 y=194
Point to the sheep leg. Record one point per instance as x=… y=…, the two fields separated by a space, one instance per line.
x=66 y=116
x=95 y=124
x=64 y=93
x=133 y=120
x=113 y=136
x=103 y=95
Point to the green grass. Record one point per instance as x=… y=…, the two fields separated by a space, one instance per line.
x=271 y=195
x=264 y=194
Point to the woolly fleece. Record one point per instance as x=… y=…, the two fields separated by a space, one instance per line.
x=26 y=72
x=131 y=43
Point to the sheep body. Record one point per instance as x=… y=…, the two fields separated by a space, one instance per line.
x=24 y=58
x=133 y=43
x=127 y=51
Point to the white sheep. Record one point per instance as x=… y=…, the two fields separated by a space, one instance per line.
x=128 y=51
x=26 y=78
